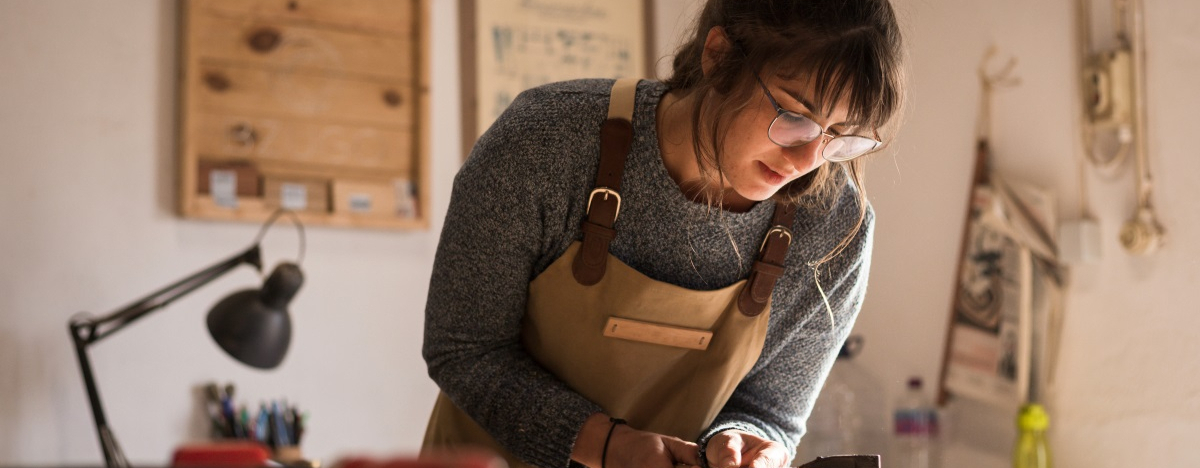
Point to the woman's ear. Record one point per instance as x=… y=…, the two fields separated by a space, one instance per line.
x=716 y=45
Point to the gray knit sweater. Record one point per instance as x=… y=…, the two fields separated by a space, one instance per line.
x=517 y=205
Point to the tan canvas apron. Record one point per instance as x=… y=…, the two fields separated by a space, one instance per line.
x=663 y=357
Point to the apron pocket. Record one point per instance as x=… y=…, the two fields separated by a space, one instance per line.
x=666 y=335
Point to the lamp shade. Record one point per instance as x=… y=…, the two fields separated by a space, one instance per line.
x=253 y=325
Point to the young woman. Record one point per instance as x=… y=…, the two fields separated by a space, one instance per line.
x=660 y=273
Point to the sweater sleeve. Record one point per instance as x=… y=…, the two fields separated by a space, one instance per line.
x=486 y=256
x=775 y=399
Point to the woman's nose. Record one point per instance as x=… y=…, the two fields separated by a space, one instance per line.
x=806 y=157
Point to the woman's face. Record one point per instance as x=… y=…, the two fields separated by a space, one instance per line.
x=755 y=168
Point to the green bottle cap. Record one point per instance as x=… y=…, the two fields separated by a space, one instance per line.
x=1033 y=418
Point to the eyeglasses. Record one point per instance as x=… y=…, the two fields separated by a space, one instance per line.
x=790 y=129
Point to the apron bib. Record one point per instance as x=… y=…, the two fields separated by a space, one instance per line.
x=663 y=357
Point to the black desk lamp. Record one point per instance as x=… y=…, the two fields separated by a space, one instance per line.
x=251 y=325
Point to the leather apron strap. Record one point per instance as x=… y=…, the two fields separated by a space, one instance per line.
x=769 y=266
x=604 y=202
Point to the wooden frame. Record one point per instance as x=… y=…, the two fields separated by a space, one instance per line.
x=320 y=106
x=566 y=27
x=1000 y=337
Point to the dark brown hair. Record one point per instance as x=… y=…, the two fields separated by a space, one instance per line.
x=849 y=49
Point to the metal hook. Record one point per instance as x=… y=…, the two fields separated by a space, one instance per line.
x=1004 y=78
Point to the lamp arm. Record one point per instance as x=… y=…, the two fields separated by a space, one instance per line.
x=86 y=330
x=113 y=456
x=94 y=329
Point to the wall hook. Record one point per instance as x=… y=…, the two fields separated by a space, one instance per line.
x=989 y=81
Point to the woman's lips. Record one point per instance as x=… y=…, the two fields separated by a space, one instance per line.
x=772 y=177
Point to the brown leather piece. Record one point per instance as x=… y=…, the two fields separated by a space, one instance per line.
x=764 y=268
x=616 y=139
x=770 y=263
x=784 y=214
x=592 y=258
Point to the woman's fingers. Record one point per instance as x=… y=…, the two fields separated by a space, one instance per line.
x=632 y=448
x=682 y=451
x=733 y=449
x=725 y=450
x=768 y=455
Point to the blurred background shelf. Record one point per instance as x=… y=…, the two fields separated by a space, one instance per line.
x=306 y=104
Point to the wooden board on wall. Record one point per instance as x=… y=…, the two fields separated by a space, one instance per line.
x=314 y=95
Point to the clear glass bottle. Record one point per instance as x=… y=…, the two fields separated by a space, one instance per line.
x=850 y=414
x=915 y=431
x=1031 y=450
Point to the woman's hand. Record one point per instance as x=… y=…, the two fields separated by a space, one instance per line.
x=732 y=449
x=630 y=448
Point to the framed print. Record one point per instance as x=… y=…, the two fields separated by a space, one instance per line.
x=1003 y=332
x=513 y=45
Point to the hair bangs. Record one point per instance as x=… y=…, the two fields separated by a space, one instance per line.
x=848 y=69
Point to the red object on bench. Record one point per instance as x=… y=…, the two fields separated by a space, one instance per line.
x=446 y=459
x=221 y=454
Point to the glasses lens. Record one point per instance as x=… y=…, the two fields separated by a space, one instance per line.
x=792 y=129
x=847 y=147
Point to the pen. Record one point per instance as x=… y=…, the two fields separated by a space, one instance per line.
x=261 y=433
x=216 y=430
x=289 y=421
x=216 y=410
x=298 y=424
x=280 y=429
x=231 y=425
x=235 y=428
x=247 y=431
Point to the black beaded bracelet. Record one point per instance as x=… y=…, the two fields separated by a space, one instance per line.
x=604 y=453
x=701 y=455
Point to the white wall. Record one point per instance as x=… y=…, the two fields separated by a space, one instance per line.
x=86 y=197
x=87 y=129
x=1128 y=388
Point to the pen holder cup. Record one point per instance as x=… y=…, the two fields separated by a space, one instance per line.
x=291 y=456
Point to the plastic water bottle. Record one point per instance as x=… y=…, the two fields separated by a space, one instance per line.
x=1031 y=451
x=915 y=431
x=850 y=414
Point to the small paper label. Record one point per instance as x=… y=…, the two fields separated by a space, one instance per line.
x=293 y=196
x=223 y=186
x=406 y=206
x=360 y=202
